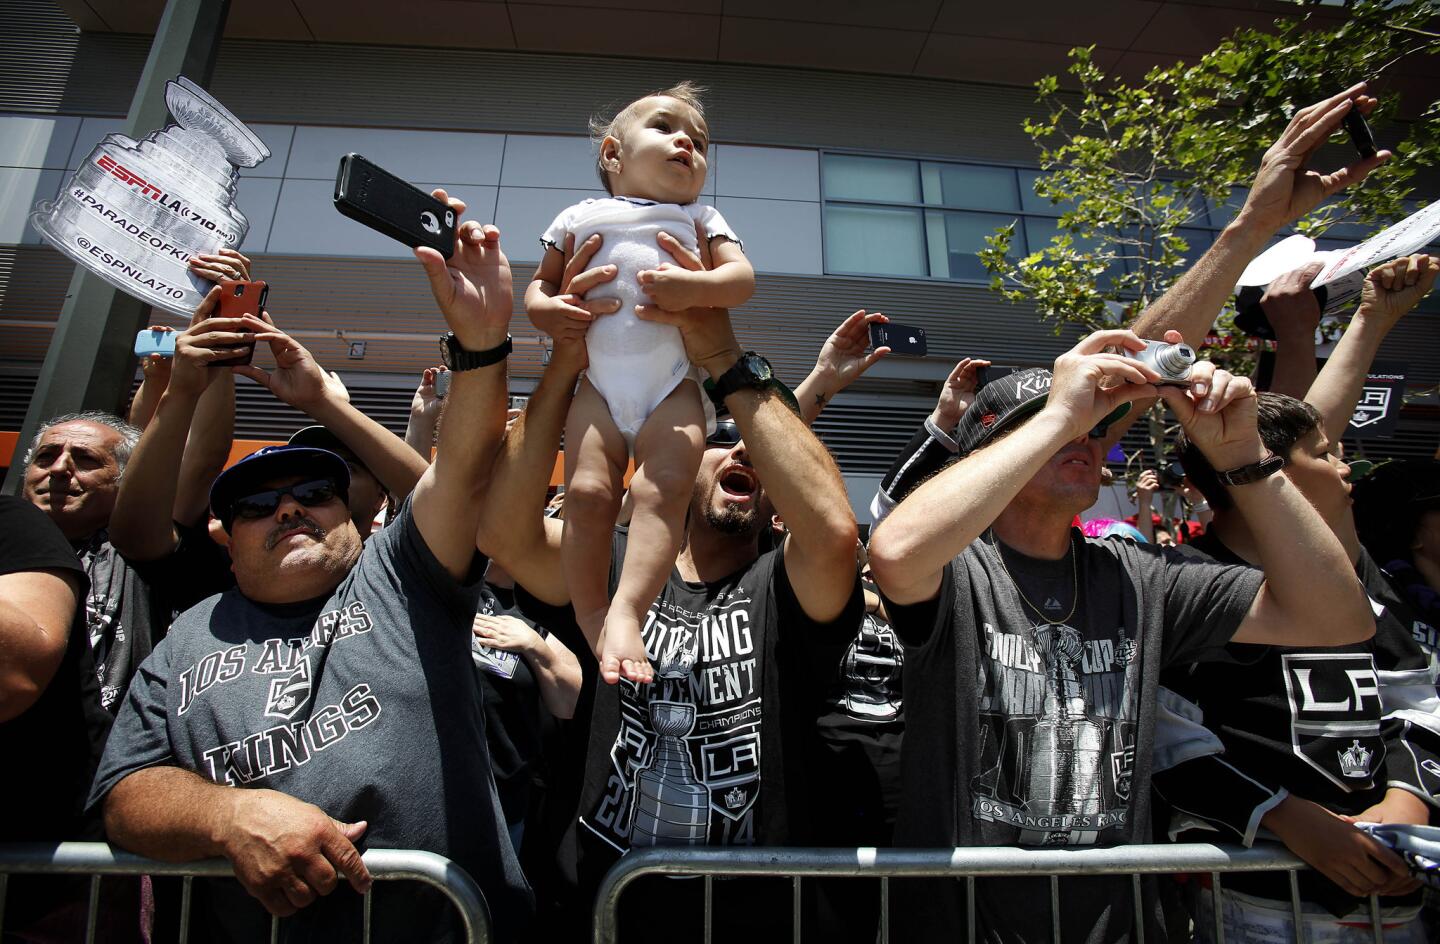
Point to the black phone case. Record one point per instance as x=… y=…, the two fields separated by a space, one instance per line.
x=898 y=338
x=389 y=205
x=1359 y=130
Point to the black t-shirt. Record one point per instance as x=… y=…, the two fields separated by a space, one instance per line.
x=862 y=727
x=1308 y=720
x=131 y=603
x=714 y=751
x=1036 y=733
x=512 y=713
x=52 y=748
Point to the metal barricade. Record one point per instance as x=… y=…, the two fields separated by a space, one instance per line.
x=97 y=859
x=798 y=864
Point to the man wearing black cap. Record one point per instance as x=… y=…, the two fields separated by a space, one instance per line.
x=329 y=700
x=1032 y=653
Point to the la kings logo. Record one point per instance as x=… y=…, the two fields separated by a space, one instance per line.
x=289 y=693
x=1335 y=714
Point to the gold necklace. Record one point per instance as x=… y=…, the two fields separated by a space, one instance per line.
x=1074 y=583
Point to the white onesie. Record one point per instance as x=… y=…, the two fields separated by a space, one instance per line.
x=634 y=364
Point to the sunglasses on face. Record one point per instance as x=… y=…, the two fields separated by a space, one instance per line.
x=263 y=504
x=726 y=435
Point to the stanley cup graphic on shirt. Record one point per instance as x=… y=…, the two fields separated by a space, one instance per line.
x=671 y=804
x=135 y=212
x=1062 y=775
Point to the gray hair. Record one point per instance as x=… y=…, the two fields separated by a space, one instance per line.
x=129 y=435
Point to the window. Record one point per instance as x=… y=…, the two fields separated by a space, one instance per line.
x=929 y=219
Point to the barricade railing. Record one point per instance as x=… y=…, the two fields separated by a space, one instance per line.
x=797 y=864
x=97 y=860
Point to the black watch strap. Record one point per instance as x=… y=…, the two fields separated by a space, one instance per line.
x=1253 y=472
x=460 y=359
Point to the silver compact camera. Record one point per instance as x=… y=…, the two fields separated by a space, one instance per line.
x=1171 y=361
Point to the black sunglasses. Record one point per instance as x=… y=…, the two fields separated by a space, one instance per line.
x=726 y=434
x=263 y=504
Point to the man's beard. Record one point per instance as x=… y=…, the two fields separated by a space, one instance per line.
x=732 y=519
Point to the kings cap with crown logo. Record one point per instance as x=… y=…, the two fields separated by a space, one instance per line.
x=1004 y=402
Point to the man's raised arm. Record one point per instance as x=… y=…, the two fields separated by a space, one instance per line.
x=474 y=292
x=911 y=547
x=1310 y=596
x=1389 y=292
x=1283 y=191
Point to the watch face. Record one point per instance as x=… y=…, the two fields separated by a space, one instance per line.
x=758 y=367
x=445 y=351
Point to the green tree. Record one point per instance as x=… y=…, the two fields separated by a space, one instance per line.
x=1131 y=166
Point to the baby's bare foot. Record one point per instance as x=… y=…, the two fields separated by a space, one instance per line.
x=622 y=652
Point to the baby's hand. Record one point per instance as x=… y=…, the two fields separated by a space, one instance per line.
x=675 y=289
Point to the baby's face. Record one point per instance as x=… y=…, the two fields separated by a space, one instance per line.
x=661 y=153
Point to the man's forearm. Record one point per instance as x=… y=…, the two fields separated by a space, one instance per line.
x=420 y=433
x=1337 y=389
x=449 y=494
x=1307 y=572
x=212 y=430
x=511 y=521
x=799 y=474
x=944 y=515
x=395 y=465
x=140 y=525
x=170 y=814
x=1191 y=304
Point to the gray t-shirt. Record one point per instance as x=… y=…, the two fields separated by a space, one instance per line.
x=364 y=703
x=1030 y=723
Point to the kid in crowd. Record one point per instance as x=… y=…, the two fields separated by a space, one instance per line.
x=639 y=392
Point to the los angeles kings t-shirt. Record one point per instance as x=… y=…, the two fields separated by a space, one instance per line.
x=364 y=703
x=1032 y=732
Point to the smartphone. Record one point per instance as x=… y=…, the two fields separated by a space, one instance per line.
x=236 y=299
x=442 y=383
x=986 y=375
x=392 y=207
x=149 y=342
x=900 y=339
x=1359 y=130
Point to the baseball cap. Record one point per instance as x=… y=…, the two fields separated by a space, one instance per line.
x=1003 y=403
x=251 y=473
x=318 y=437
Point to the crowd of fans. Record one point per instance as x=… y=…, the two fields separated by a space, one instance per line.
x=359 y=641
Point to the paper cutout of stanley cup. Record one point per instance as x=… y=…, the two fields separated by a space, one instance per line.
x=136 y=211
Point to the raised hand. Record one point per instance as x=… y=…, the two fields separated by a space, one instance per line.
x=1092 y=380
x=208 y=341
x=222 y=264
x=473 y=289
x=957 y=394
x=1392 y=289
x=1285 y=189
x=297 y=378
x=1291 y=307
x=1218 y=414
x=708 y=336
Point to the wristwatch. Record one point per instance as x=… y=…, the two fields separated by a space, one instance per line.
x=455 y=357
x=1253 y=472
x=752 y=372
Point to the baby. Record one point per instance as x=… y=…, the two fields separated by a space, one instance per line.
x=640 y=392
